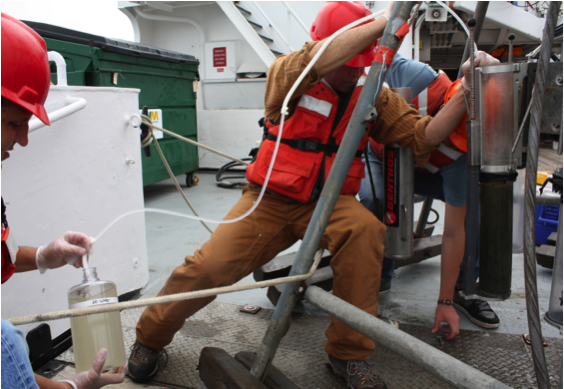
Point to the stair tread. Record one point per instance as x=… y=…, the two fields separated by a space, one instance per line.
x=266 y=37
x=254 y=23
x=243 y=9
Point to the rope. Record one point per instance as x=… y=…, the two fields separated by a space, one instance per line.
x=533 y=317
x=148 y=122
x=171 y=174
x=41 y=317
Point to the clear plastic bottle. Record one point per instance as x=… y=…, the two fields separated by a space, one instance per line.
x=93 y=332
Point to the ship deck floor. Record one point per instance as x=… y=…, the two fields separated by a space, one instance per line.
x=501 y=353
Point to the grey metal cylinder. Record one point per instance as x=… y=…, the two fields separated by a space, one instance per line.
x=398 y=201
x=518 y=211
x=496 y=233
x=404 y=92
x=398 y=195
x=554 y=314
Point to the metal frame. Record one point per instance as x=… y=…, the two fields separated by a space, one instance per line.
x=452 y=370
x=535 y=330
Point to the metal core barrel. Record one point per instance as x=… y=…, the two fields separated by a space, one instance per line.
x=399 y=165
x=498 y=114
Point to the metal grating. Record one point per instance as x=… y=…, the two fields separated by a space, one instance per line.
x=301 y=354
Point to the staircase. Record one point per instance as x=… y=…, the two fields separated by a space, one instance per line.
x=257 y=29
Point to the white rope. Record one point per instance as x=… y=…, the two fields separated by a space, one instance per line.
x=41 y=317
x=171 y=174
x=148 y=122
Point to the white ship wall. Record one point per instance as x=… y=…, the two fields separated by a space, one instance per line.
x=74 y=175
x=228 y=110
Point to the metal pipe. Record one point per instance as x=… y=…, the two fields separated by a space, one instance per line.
x=423 y=217
x=434 y=361
x=479 y=16
x=472 y=222
x=523 y=123
x=75 y=105
x=295 y=15
x=196 y=25
x=510 y=57
x=417 y=37
x=364 y=109
x=533 y=318
x=61 y=67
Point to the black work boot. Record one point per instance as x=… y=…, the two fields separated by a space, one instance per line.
x=357 y=373
x=478 y=311
x=143 y=362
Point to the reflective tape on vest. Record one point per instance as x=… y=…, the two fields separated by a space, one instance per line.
x=319 y=106
x=422 y=102
x=442 y=156
x=451 y=153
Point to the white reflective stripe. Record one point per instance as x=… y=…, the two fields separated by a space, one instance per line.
x=13 y=247
x=451 y=153
x=316 y=105
x=361 y=81
x=422 y=97
x=431 y=168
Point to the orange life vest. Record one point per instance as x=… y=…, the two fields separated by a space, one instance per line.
x=310 y=140
x=9 y=248
x=428 y=102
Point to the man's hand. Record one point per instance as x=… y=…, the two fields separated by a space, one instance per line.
x=67 y=248
x=446 y=313
x=92 y=379
x=481 y=59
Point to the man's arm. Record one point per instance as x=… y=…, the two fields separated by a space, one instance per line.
x=347 y=45
x=66 y=249
x=25 y=260
x=447 y=119
x=451 y=257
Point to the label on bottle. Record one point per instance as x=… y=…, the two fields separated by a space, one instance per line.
x=90 y=303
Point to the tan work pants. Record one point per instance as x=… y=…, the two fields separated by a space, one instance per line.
x=353 y=236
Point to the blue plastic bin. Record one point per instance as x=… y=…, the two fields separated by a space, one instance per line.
x=546 y=222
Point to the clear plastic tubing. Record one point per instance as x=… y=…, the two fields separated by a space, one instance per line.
x=284 y=112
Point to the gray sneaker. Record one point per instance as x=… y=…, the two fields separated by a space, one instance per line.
x=357 y=373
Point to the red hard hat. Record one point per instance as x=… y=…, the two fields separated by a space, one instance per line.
x=335 y=15
x=26 y=76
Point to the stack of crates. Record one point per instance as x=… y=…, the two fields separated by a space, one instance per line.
x=166 y=80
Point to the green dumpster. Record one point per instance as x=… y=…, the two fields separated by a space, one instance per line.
x=166 y=80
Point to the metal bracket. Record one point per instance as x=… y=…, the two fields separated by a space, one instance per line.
x=371 y=115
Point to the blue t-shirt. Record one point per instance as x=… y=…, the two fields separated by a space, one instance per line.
x=409 y=73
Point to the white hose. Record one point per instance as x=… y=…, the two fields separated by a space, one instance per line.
x=284 y=112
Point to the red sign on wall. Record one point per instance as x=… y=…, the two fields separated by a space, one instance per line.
x=219 y=57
